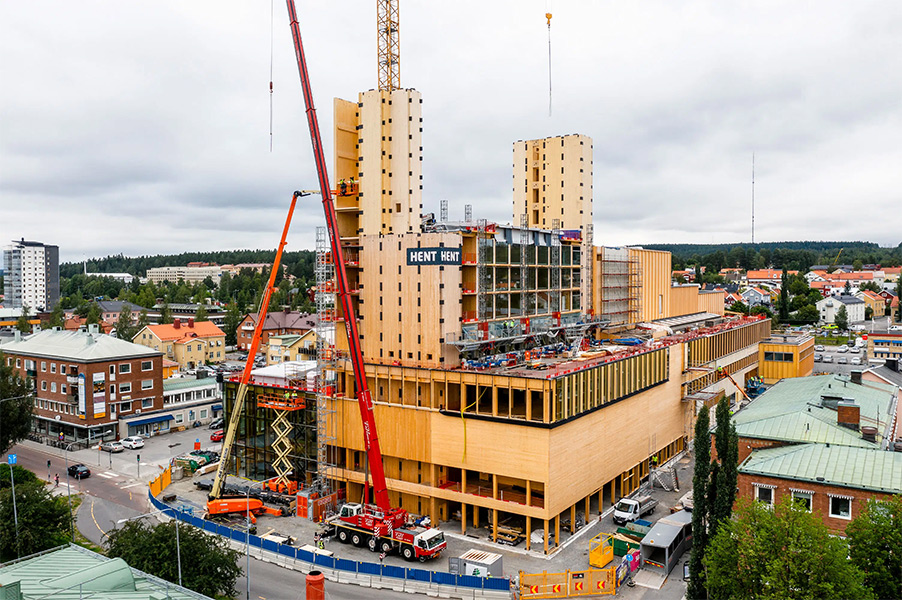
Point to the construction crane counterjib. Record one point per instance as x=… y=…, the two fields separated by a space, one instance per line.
x=371 y=439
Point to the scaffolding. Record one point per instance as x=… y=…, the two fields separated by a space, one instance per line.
x=555 y=266
x=443 y=212
x=587 y=265
x=524 y=272
x=326 y=363
x=620 y=281
x=484 y=245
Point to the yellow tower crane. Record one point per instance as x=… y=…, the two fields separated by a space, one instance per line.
x=389 y=45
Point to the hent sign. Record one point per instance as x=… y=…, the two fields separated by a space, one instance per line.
x=433 y=256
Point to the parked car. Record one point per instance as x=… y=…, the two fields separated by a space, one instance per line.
x=79 y=471
x=819 y=348
x=112 y=446
x=855 y=349
x=828 y=358
x=136 y=441
x=843 y=348
x=894 y=328
x=217 y=436
x=842 y=360
x=818 y=357
x=856 y=360
x=217 y=423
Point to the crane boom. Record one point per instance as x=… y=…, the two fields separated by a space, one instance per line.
x=364 y=401
x=238 y=407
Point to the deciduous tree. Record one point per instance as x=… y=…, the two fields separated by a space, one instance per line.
x=875 y=546
x=780 y=552
x=125 y=329
x=209 y=566
x=841 y=320
x=22 y=323
x=696 y=589
x=232 y=320
x=15 y=415
x=43 y=520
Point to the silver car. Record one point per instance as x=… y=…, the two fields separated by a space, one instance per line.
x=112 y=446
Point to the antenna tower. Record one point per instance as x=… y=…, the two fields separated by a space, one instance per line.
x=753 y=197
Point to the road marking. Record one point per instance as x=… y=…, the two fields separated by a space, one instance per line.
x=107 y=475
x=131 y=485
x=95 y=518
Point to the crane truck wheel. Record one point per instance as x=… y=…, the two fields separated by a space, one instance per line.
x=342 y=536
x=386 y=546
x=372 y=544
x=407 y=553
x=356 y=539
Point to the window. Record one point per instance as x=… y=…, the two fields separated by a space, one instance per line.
x=43 y=386
x=146 y=365
x=125 y=407
x=179 y=418
x=52 y=366
x=764 y=494
x=63 y=388
x=841 y=507
x=53 y=386
x=125 y=368
x=125 y=388
x=44 y=366
x=203 y=413
x=147 y=403
x=802 y=497
x=63 y=369
x=147 y=384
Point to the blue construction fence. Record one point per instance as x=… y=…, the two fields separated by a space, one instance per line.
x=331 y=562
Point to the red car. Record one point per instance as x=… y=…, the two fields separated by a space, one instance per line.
x=217 y=436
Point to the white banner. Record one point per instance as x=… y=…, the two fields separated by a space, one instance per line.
x=99 y=395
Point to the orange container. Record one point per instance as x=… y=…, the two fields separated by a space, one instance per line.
x=316 y=588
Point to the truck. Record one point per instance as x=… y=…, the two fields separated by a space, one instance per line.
x=367 y=525
x=632 y=509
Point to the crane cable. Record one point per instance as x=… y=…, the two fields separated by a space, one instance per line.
x=271 y=21
x=548 y=17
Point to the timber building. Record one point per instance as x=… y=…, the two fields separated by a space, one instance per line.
x=520 y=374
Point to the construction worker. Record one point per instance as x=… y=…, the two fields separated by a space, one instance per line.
x=343 y=187
x=654 y=461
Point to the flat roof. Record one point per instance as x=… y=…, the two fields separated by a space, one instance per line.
x=77 y=345
x=795 y=339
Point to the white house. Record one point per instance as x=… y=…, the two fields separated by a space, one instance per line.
x=828 y=307
x=755 y=297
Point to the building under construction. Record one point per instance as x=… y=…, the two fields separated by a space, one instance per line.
x=520 y=373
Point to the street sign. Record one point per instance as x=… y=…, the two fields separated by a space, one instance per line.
x=11 y=459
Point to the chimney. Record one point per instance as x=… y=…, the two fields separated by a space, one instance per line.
x=18 y=334
x=190 y=322
x=177 y=323
x=869 y=434
x=92 y=328
x=848 y=414
x=855 y=376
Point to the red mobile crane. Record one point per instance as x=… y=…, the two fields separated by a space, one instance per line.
x=386 y=528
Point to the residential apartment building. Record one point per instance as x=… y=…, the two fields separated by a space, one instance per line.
x=766 y=277
x=828 y=308
x=291 y=347
x=283 y=322
x=86 y=381
x=825 y=440
x=189 y=343
x=31 y=275
x=872 y=300
x=192 y=273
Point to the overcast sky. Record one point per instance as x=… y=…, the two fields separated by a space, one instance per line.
x=143 y=127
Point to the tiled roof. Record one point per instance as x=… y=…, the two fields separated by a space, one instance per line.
x=791 y=411
x=77 y=345
x=186 y=331
x=843 y=466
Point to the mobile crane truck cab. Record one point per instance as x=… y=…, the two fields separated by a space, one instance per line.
x=386 y=532
x=633 y=509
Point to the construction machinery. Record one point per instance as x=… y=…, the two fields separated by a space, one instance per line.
x=387 y=528
x=725 y=373
x=217 y=505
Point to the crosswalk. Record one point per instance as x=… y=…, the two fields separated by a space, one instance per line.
x=109 y=475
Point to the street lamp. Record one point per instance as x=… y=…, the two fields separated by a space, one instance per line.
x=178 y=546
x=11 y=459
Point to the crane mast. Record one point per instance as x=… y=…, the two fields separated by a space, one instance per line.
x=389 y=45
x=364 y=400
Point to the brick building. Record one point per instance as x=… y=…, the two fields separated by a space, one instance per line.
x=85 y=381
x=823 y=440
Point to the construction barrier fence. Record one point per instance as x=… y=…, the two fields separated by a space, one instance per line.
x=160 y=483
x=329 y=562
x=569 y=584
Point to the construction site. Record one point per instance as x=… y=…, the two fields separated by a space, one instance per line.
x=508 y=381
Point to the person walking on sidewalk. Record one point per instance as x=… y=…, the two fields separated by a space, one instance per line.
x=57 y=479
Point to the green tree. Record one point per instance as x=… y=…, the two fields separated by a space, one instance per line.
x=165 y=314
x=15 y=415
x=125 y=329
x=22 y=323
x=233 y=318
x=57 y=316
x=201 y=313
x=870 y=286
x=93 y=315
x=808 y=313
x=842 y=318
x=868 y=312
x=696 y=589
x=22 y=476
x=727 y=445
x=209 y=566
x=857 y=265
x=762 y=310
x=780 y=552
x=784 y=296
x=43 y=520
x=739 y=307
x=847 y=289
x=875 y=546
